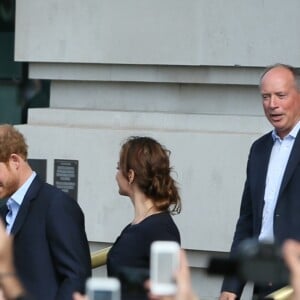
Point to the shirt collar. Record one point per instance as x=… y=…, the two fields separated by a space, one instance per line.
x=293 y=133
x=19 y=195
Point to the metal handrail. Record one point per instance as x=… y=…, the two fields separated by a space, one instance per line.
x=284 y=293
x=99 y=257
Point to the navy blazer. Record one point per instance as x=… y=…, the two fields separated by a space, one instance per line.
x=51 y=250
x=287 y=210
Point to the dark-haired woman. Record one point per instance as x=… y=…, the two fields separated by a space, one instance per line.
x=144 y=175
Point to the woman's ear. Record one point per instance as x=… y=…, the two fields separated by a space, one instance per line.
x=131 y=176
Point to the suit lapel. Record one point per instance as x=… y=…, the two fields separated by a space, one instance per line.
x=3 y=210
x=262 y=163
x=25 y=206
x=292 y=163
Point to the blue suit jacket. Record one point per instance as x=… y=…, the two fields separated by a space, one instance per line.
x=287 y=210
x=51 y=249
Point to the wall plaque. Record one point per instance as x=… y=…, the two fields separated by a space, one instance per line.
x=66 y=176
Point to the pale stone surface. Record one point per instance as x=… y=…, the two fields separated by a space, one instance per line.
x=209 y=164
x=169 y=32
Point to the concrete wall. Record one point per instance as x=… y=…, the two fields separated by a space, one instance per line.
x=183 y=72
x=171 y=32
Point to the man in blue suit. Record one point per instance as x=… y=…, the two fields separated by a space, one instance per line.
x=270 y=206
x=51 y=250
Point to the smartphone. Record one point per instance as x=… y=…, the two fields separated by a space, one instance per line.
x=164 y=261
x=103 y=288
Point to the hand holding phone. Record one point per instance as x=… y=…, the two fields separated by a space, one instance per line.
x=103 y=288
x=164 y=262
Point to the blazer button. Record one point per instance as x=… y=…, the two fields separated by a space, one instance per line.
x=277 y=215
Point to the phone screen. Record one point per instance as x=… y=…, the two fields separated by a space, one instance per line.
x=165 y=263
x=103 y=295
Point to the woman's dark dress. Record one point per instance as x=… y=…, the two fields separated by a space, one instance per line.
x=129 y=257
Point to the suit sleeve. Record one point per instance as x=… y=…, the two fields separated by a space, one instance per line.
x=244 y=230
x=68 y=245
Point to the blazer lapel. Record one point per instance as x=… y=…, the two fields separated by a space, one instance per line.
x=3 y=210
x=25 y=206
x=262 y=163
x=292 y=163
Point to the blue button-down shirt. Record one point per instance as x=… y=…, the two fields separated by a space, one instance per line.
x=15 y=201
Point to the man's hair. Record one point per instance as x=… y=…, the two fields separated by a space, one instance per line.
x=295 y=72
x=11 y=142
